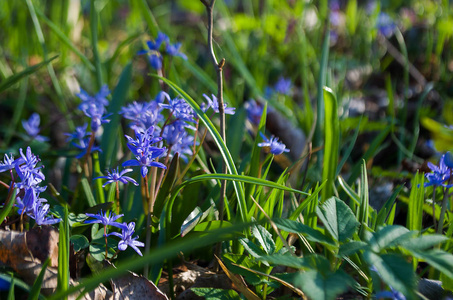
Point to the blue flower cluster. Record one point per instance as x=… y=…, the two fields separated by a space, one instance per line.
x=93 y=107
x=28 y=189
x=127 y=230
x=440 y=174
x=151 y=128
x=160 y=47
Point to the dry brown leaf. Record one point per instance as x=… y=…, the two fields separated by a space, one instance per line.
x=135 y=287
x=25 y=252
x=238 y=282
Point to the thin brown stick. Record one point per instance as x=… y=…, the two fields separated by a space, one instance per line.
x=219 y=67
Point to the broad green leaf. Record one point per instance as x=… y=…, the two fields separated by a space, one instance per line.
x=331 y=142
x=338 y=219
x=424 y=242
x=387 y=236
x=211 y=225
x=319 y=287
x=441 y=260
x=264 y=238
x=310 y=233
x=350 y=248
x=284 y=260
x=109 y=138
x=253 y=249
x=88 y=193
x=394 y=271
x=79 y=242
x=416 y=201
x=215 y=294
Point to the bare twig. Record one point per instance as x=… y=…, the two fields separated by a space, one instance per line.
x=218 y=67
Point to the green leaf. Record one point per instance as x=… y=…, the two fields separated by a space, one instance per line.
x=424 y=242
x=253 y=249
x=167 y=184
x=36 y=288
x=6 y=209
x=364 y=201
x=350 y=248
x=441 y=260
x=79 y=242
x=215 y=294
x=264 y=238
x=317 y=286
x=109 y=137
x=338 y=219
x=63 y=254
x=8 y=82
x=331 y=142
x=11 y=289
x=388 y=236
x=416 y=201
x=394 y=271
x=284 y=260
x=211 y=225
x=310 y=233
x=88 y=193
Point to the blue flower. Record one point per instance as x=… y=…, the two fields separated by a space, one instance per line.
x=275 y=146
x=254 y=111
x=144 y=152
x=385 y=25
x=94 y=107
x=96 y=113
x=283 y=86
x=8 y=163
x=439 y=175
x=448 y=160
x=174 y=50
x=393 y=294
x=104 y=219
x=116 y=176
x=127 y=239
x=31 y=126
x=100 y=98
x=40 y=215
x=214 y=104
x=180 y=110
x=26 y=168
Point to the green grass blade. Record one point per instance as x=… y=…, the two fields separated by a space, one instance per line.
x=36 y=288
x=331 y=143
x=317 y=138
x=7 y=209
x=416 y=201
x=149 y=18
x=8 y=82
x=187 y=244
x=88 y=193
x=364 y=201
x=64 y=39
x=11 y=289
x=98 y=182
x=94 y=18
x=109 y=141
x=63 y=254
x=218 y=139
